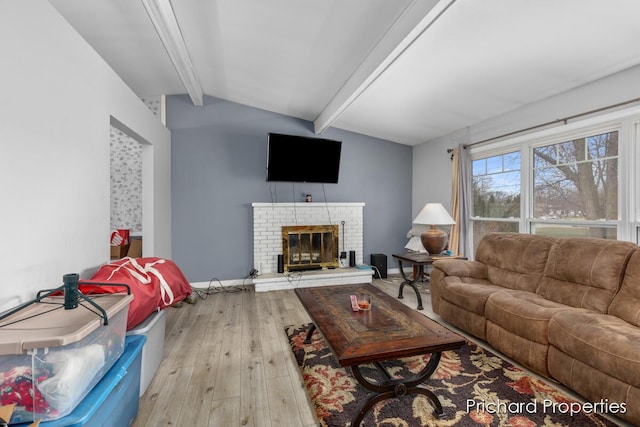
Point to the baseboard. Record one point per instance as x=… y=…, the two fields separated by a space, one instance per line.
x=246 y=282
x=222 y=283
x=306 y=279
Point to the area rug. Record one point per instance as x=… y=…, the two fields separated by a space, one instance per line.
x=475 y=387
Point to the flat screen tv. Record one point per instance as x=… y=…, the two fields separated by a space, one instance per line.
x=293 y=158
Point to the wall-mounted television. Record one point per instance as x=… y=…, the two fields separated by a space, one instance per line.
x=292 y=158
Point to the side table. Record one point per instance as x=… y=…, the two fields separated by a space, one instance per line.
x=419 y=260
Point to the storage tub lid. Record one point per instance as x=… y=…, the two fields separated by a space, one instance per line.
x=48 y=324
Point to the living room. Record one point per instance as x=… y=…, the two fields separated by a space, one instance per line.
x=207 y=166
x=373 y=170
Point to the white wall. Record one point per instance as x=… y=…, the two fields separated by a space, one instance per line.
x=58 y=100
x=432 y=173
x=427 y=157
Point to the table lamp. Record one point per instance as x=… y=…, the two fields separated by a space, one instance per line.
x=434 y=240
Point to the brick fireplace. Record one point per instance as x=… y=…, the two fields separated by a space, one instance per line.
x=269 y=220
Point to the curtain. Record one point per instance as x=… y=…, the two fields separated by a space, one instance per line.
x=454 y=238
x=464 y=164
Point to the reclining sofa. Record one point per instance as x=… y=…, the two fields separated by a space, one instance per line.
x=566 y=308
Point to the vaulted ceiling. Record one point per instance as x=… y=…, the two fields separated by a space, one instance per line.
x=403 y=70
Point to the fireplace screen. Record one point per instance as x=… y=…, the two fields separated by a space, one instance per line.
x=308 y=247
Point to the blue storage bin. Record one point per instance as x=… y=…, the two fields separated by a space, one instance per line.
x=113 y=402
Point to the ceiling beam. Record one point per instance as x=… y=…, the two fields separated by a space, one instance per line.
x=417 y=17
x=165 y=22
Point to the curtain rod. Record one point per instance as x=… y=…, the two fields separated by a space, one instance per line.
x=564 y=121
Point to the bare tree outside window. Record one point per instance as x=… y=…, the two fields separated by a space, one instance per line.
x=577 y=181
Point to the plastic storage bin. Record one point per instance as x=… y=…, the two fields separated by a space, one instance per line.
x=51 y=358
x=113 y=402
x=153 y=328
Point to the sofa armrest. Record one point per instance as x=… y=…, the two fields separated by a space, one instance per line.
x=462 y=268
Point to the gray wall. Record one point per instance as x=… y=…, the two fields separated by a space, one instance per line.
x=218 y=169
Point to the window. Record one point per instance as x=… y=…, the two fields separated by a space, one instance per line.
x=561 y=187
x=575 y=187
x=496 y=194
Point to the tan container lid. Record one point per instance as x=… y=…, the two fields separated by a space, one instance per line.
x=48 y=324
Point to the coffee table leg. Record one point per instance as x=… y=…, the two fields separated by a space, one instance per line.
x=391 y=388
x=412 y=283
x=307 y=339
x=404 y=279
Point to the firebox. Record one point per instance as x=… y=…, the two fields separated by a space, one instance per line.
x=309 y=247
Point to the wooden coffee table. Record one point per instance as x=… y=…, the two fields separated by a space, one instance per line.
x=389 y=331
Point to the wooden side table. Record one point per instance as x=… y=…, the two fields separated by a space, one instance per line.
x=418 y=260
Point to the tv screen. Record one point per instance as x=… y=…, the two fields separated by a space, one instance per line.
x=293 y=158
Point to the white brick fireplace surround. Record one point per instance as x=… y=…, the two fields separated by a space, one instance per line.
x=268 y=219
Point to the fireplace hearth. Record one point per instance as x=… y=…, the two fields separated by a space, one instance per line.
x=310 y=247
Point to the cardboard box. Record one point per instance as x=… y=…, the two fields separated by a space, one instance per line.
x=135 y=248
x=118 y=252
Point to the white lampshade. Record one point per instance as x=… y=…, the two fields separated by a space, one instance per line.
x=434 y=214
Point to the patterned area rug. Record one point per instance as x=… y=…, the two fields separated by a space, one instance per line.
x=475 y=387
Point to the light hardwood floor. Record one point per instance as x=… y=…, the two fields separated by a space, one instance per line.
x=227 y=362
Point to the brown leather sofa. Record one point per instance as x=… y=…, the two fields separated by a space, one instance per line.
x=567 y=308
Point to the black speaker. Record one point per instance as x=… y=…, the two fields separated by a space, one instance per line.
x=379 y=261
x=280 y=263
x=352 y=258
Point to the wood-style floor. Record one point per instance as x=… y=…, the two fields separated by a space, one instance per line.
x=227 y=362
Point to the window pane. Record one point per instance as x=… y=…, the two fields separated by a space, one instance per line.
x=580 y=181
x=570 y=152
x=600 y=146
x=480 y=228
x=544 y=156
x=494 y=164
x=569 y=230
x=496 y=190
x=512 y=161
x=479 y=167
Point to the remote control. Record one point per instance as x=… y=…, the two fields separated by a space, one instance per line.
x=354 y=303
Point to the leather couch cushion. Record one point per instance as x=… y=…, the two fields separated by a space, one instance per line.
x=513 y=260
x=522 y=313
x=593 y=384
x=585 y=272
x=461 y=267
x=472 y=323
x=468 y=294
x=604 y=342
x=529 y=353
x=626 y=304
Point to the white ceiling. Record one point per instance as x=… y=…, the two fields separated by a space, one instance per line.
x=403 y=70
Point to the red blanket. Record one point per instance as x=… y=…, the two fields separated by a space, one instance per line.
x=155 y=283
